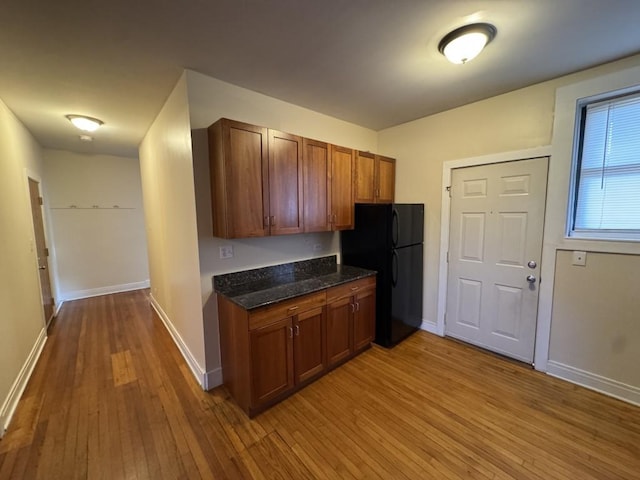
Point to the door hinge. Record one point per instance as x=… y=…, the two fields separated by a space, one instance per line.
x=40 y=201
x=448 y=189
x=447 y=257
x=46 y=252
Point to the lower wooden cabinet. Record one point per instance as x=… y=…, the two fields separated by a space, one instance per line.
x=351 y=313
x=271 y=361
x=339 y=331
x=309 y=344
x=270 y=352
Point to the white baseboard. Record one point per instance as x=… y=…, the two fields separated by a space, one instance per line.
x=430 y=327
x=17 y=389
x=213 y=378
x=196 y=369
x=613 y=388
x=95 y=292
x=56 y=311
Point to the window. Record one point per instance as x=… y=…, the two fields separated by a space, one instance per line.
x=606 y=204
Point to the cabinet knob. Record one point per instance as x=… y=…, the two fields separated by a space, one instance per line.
x=297 y=330
x=272 y=220
x=290 y=332
x=354 y=288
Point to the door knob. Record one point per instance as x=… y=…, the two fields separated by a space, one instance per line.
x=532 y=264
x=531 y=278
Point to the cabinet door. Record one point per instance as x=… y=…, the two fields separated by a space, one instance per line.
x=316 y=186
x=309 y=344
x=342 y=169
x=285 y=183
x=364 y=319
x=339 y=332
x=271 y=361
x=365 y=191
x=386 y=179
x=239 y=189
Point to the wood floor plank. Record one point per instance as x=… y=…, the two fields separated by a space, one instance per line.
x=112 y=397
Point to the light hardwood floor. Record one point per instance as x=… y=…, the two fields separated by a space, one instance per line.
x=112 y=398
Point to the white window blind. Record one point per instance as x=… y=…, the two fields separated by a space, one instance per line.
x=608 y=190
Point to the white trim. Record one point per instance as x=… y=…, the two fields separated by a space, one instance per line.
x=202 y=377
x=607 y=386
x=429 y=326
x=95 y=292
x=213 y=379
x=57 y=310
x=543 y=328
x=17 y=389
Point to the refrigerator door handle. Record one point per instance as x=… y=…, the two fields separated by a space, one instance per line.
x=394 y=268
x=394 y=228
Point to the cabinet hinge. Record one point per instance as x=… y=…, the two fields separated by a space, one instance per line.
x=40 y=201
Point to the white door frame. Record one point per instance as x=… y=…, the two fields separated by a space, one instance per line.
x=543 y=328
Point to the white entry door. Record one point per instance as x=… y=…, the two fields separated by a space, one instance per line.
x=495 y=247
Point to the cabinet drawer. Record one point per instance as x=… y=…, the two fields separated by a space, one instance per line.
x=265 y=315
x=348 y=289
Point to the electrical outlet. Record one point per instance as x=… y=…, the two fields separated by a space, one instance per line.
x=579 y=259
x=226 y=251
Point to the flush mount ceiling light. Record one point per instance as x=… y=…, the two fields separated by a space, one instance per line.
x=86 y=124
x=465 y=43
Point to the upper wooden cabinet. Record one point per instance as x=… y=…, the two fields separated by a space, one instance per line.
x=317 y=186
x=238 y=162
x=375 y=178
x=256 y=180
x=285 y=184
x=342 y=183
x=385 y=179
x=328 y=187
x=266 y=182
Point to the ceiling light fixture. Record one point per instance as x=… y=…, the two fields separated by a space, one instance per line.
x=465 y=43
x=86 y=124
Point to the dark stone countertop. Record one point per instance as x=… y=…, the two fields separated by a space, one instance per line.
x=259 y=287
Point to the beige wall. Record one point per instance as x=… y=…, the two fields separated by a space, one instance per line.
x=166 y=167
x=101 y=250
x=596 y=316
x=519 y=120
x=209 y=100
x=22 y=319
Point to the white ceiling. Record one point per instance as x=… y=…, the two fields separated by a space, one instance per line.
x=371 y=62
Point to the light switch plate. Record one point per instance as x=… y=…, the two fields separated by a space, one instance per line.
x=579 y=259
x=226 y=251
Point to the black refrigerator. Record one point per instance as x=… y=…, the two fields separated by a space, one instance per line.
x=388 y=238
